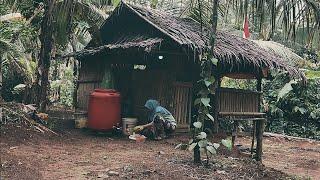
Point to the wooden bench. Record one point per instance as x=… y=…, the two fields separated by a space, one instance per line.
x=242 y=105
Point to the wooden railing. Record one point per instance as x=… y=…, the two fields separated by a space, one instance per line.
x=236 y=102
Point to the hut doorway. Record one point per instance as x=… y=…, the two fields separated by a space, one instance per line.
x=137 y=86
x=182 y=103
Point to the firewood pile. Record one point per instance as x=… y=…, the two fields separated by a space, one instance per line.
x=18 y=113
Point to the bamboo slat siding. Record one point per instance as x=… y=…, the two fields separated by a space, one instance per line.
x=84 y=91
x=90 y=77
x=238 y=102
x=153 y=84
x=176 y=97
x=137 y=86
x=182 y=104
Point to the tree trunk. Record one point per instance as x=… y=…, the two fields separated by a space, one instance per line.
x=0 y=78
x=214 y=24
x=293 y=21
x=72 y=39
x=273 y=18
x=45 y=55
x=196 y=151
x=212 y=42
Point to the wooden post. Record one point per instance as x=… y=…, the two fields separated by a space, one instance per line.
x=253 y=136
x=75 y=83
x=260 y=129
x=259 y=126
x=234 y=132
x=216 y=105
x=259 y=82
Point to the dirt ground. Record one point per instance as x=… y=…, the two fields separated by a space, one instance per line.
x=295 y=157
x=81 y=154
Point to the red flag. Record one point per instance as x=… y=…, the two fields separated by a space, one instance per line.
x=246 y=32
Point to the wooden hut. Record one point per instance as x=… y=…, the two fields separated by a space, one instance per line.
x=150 y=54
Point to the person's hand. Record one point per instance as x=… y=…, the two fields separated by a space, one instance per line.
x=138 y=128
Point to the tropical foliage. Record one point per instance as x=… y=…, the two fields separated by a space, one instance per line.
x=293 y=109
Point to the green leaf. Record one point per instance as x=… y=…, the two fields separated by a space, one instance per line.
x=214 y=61
x=115 y=2
x=212 y=79
x=191 y=146
x=18 y=88
x=299 y=109
x=202 y=143
x=216 y=145
x=197 y=101
x=206 y=101
x=197 y=125
x=286 y=89
x=190 y=141
x=202 y=135
x=203 y=92
x=210 y=117
x=315 y=114
x=208 y=83
x=227 y=143
x=211 y=150
x=312 y=74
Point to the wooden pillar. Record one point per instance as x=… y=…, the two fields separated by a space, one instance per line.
x=259 y=82
x=253 y=136
x=216 y=104
x=234 y=132
x=260 y=129
x=75 y=83
x=259 y=126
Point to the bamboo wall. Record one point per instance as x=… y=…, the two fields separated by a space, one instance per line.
x=171 y=86
x=236 y=100
x=90 y=77
x=182 y=98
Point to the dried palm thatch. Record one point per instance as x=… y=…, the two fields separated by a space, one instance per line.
x=138 y=43
x=284 y=52
x=229 y=49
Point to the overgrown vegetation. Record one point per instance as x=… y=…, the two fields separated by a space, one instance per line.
x=293 y=109
x=293 y=23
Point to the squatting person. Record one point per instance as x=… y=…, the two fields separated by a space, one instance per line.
x=161 y=123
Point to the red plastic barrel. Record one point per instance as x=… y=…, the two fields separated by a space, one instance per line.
x=104 y=109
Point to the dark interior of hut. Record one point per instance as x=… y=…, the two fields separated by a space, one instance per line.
x=159 y=75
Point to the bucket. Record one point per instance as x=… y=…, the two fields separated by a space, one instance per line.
x=128 y=124
x=80 y=119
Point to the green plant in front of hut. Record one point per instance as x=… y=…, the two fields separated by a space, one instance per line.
x=203 y=145
x=199 y=142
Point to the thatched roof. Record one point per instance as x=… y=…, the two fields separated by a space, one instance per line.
x=284 y=52
x=231 y=50
x=137 y=43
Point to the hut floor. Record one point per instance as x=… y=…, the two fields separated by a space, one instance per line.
x=81 y=154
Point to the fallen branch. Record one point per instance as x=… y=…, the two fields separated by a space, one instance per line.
x=22 y=116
